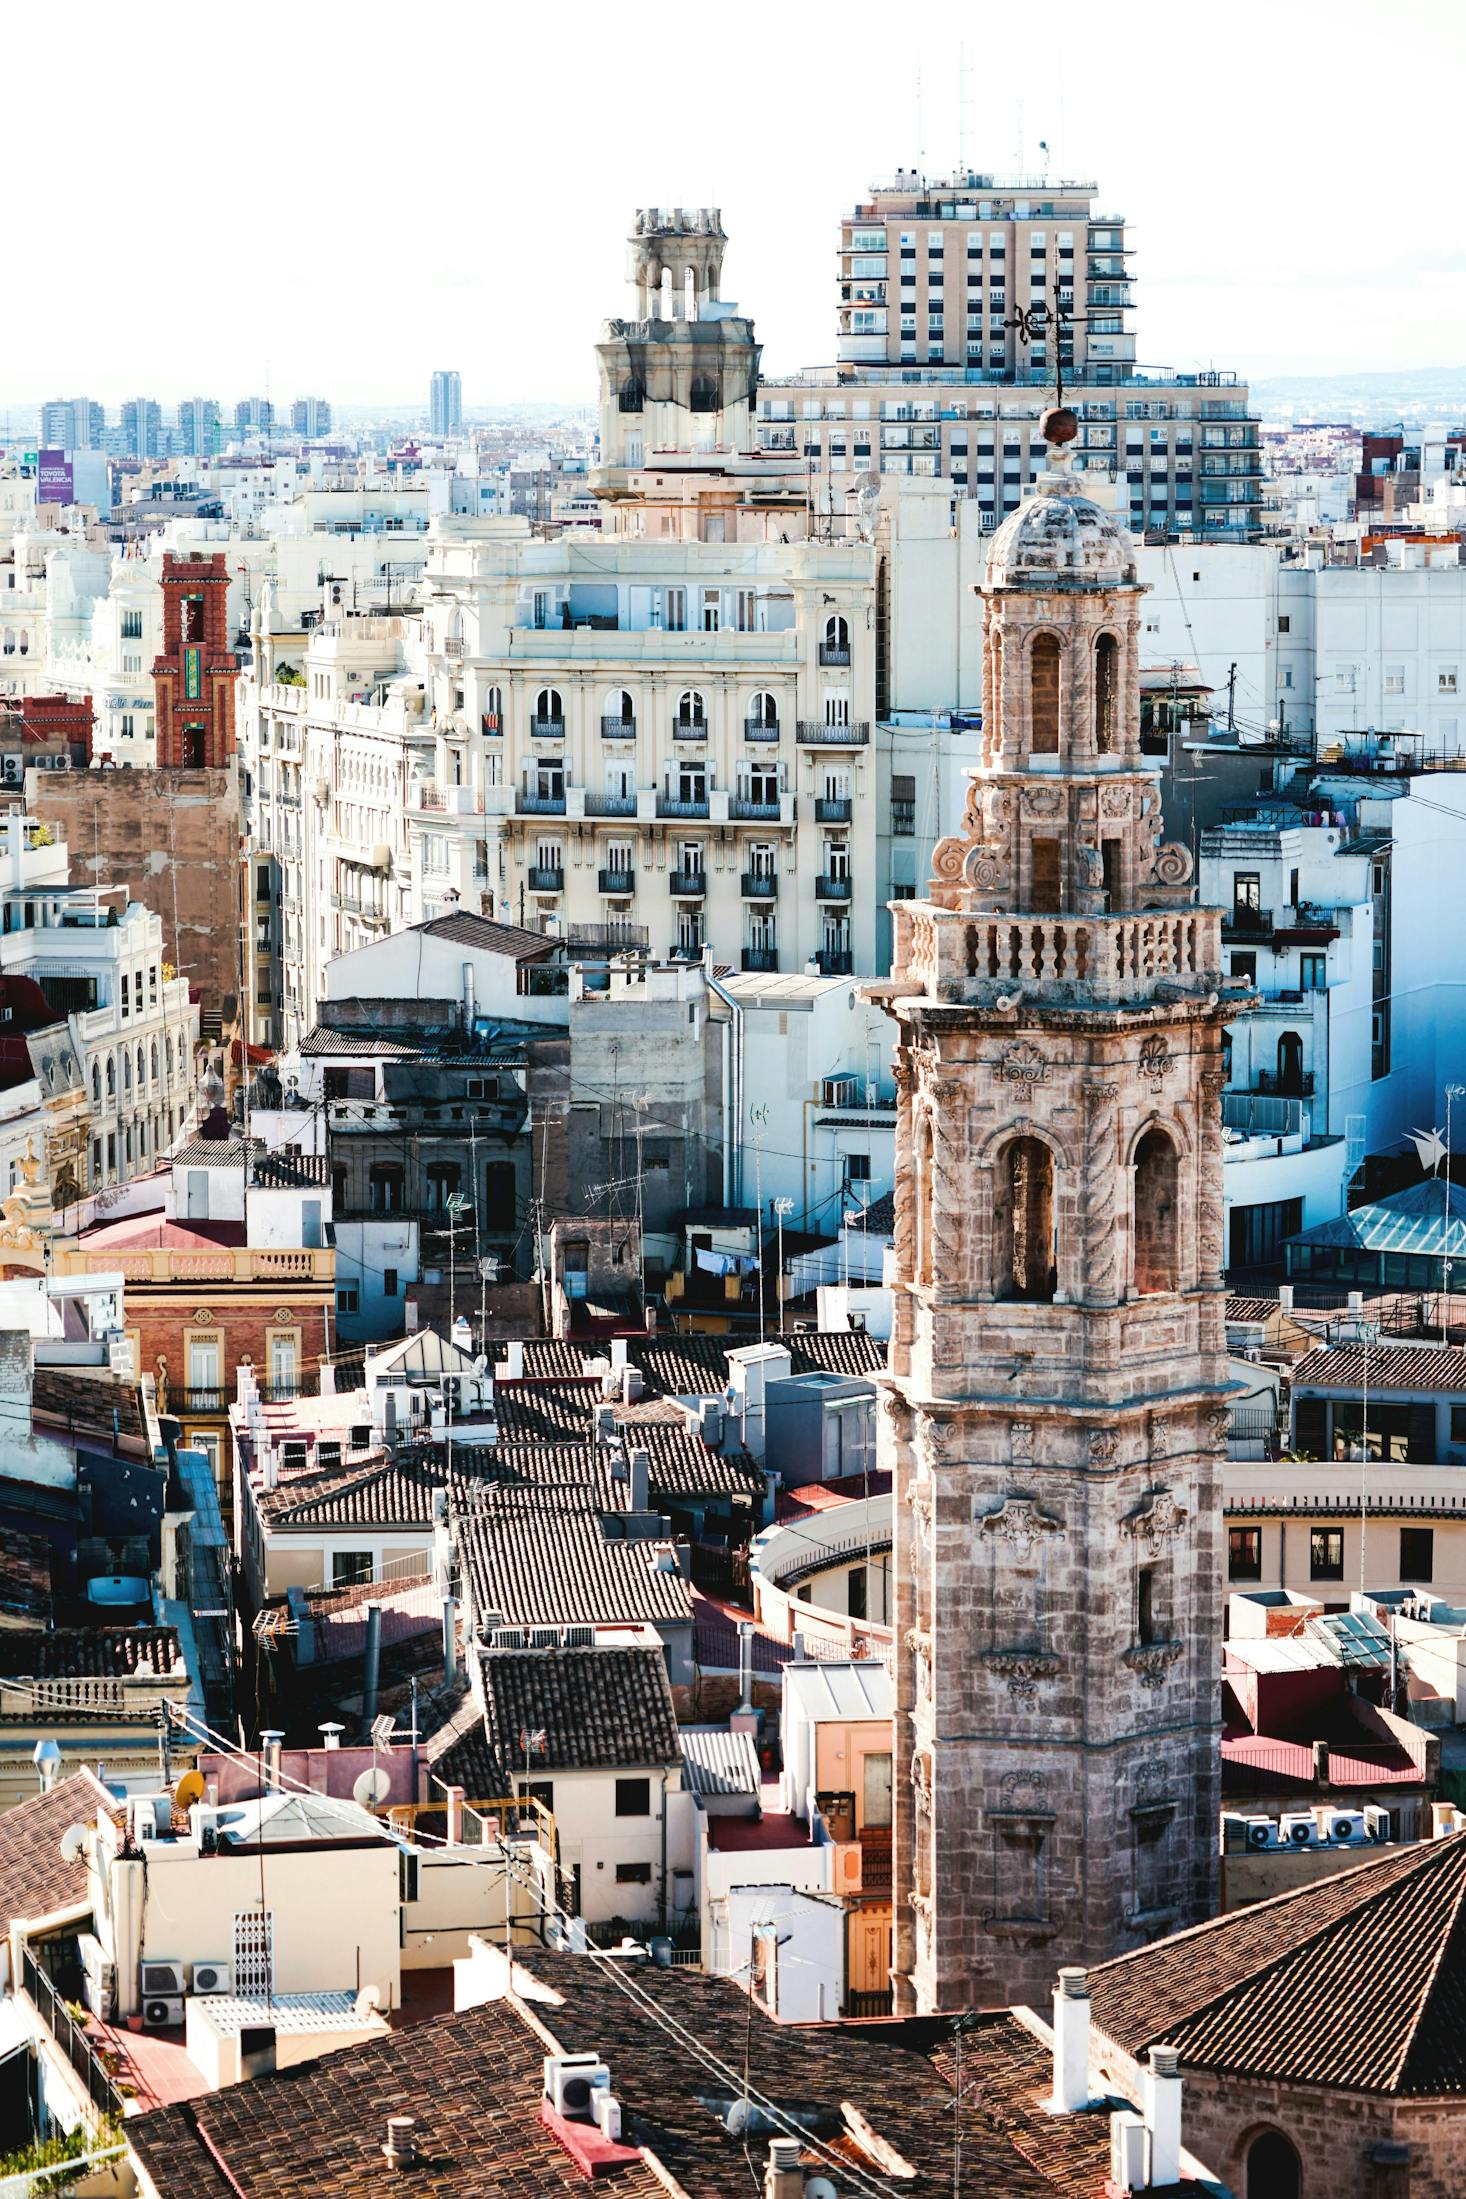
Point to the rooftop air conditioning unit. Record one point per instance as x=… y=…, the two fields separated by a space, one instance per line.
x=161 y=1979
x=164 y=2012
x=1346 y=1828
x=1299 y=1830
x=1262 y=1833
x=1377 y=1822
x=211 y=1977
x=571 y=2083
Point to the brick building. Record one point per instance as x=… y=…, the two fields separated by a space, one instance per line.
x=193 y=674
x=1054 y=1417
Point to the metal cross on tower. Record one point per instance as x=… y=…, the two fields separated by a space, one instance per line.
x=1032 y=323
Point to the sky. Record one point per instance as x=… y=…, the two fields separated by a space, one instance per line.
x=337 y=199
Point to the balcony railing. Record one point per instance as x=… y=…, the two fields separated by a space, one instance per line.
x=1286 y=1083
x=812 y=733
x=105 y=2104
x=689 y=729
x=746 y=811
x=827 y=887
x=670 y=806
x=610 y=805
x=539 y=805
x=547 y=729
x=760 y=729
x=197 y=1401
x=834 y=652
x=616 y=881
x=688 y=883
x=618 y=729
x=761 y=958
x=547 y=878
x=620 y=936
x=833 y=809
x=1247 y=922
x=835 y=962
x=759 y=885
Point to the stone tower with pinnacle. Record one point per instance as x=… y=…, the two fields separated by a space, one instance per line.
x=1055 y=1414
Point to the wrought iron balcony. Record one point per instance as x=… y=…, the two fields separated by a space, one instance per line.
x=761 y=958
x=759 y=885
x=833 y=652
x=617 y=881
x=690 y=884
x=618 y=729
x=539 y=805
x=689 y=729
x=832 y=809
x=835 y=962
x=547 y=729
x=744 y=811
x=610 y=805
x=827 y=887
x=547 y=878
x=669 y=805
x=760 y=729
x=813 y=734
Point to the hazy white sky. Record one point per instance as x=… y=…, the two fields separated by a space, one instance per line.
x=338 y=198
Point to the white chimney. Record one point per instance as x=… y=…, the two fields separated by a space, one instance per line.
x=453 y=1796
x=1162 y=2102
x=632 y=1385
x=269 y=1470
x=618 y=1353
x=331 y=1734
x=784 y=2178
x=270 y=1740
x=515 y=1354
x=1127 y=2151
x=1285 y=1297
x=1071 y=2041
x=640 y=1463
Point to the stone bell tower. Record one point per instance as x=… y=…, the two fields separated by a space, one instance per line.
x=1055 y=1412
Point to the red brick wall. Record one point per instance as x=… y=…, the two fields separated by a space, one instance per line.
x=213 y=708
x=245 y=1319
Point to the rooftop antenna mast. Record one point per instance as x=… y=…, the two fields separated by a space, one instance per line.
x=962 y=75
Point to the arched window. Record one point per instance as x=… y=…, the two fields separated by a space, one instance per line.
x=1044 y=693
x=111 y=1078
x=763 y=712
x=1290 y=1063
x=691 y=709
x=96 y=1084
x=1155 y=1213
x=126 y=1070
x=549 y=712
x=153 y=1061
x=620 y=709
x=142 y=1070
x=704 y=393
x=923 y=1175
x=835 y=648
x=1273 y=2168
x=1106 y=694
x=494 y=710
x=631 y=396
x=1026 y=1237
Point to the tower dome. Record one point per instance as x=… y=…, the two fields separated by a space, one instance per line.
x=1060 y=537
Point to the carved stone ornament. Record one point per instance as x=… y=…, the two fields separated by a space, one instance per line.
x=1042 y=801
x=1091 y=865
x=1156 y=1522
x=1020 y=1442
x=919 y=1497
x=986 y=869
x=1151 y=1661
x=1217 y=1421
x=1103 y=1445
x=921 y=1781
x=1172 y=865
x=1025 y=1066
x=936 y=1439
x=1156 y=1061
x=1023 y=1669
x=203 y=1315
x=948 y=857
x=1019 y=1523
x=1023 y=1790
x=1116 y=801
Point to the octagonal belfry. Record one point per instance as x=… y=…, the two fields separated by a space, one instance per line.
x=1055 y=1413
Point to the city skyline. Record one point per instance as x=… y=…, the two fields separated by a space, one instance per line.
x=1257 y=247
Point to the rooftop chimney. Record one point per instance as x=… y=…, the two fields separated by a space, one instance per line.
x=618 y=1352
x=270 y=1740
x=640 y=1463
x=450 y=1641
x=514 y=1354
x=331 y=1734
x=1285 y=1297
x=745 y=1664
x=784 y=2178
x=1162 y=2101
x=1071 y=2041
x=400 y=2151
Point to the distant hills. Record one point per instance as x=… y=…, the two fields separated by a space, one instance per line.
x=1413 y=396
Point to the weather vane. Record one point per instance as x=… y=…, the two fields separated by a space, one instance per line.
x=1033 y=322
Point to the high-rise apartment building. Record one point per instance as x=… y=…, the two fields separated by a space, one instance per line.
x=142 y=427
x=941 y=274
x=960 y=301
x=1057 y=1415
x=445 y=403
x=198 y=426
x=72 y=423
x=254 y=414
x=310 y=416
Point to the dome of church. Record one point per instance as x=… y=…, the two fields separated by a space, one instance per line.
x=1059 y=534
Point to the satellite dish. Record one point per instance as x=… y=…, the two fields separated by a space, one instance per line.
x=819 y=2187
x=372 y=1787
x=368 y=2003
x=190 y=1789
x=481 y=1363
x=74 y=1842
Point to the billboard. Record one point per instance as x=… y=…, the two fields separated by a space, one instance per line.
x=53 y=485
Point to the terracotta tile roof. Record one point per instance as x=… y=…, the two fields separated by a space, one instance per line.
x=87 y=1401
x=388 y=1495
x=465 y=929
x=697 y=1366
x=33 y=1879
x=458 y=1753
x=1384 y=1366
x=543 y=1559
x=1358 y=1981
x=90 y=1653
x=546 y=1412
x=25 y=1575
x=599 y=1709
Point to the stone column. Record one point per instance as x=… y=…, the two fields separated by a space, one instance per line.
x=949 y=1152
x=1210 y=1159
x=1101 y=1282
x=903 y=1234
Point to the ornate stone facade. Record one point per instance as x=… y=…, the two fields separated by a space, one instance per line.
x=1059 y=1354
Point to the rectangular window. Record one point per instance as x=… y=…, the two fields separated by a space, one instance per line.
x=1145 y=1606
x=857 y=1167
x=1326 y=1554
x=350 y=1568
x=1244 y=1553
x=389 y=1282
x=346 y=1298
x=633 y=1874
x=1417 y=1553
x=903 y=805
x=1313 y=972
x=633 y=1798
